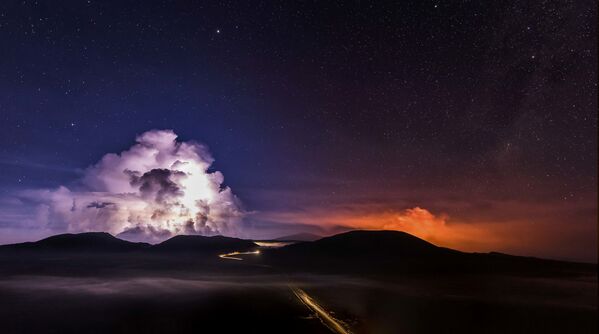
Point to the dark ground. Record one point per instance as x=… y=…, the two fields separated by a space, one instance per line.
x=179 y=292
x=229 y=296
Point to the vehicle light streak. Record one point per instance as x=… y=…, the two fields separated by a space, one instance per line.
x=234 y=255
x=324 y=316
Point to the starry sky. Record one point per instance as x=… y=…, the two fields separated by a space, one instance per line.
x=472 y=124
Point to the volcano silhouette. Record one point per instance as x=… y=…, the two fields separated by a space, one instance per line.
x=80 y=242
x=395 y=252
x=198 y=243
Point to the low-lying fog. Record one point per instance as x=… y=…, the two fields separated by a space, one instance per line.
x=192 y=301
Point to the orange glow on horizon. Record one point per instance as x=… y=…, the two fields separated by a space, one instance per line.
x=532 y=237
x=423 y=224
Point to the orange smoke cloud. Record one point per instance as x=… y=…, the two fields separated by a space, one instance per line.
x=423 y=224
x=558 y=229
x=416 y=221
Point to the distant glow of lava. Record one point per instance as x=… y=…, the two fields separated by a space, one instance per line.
x=417 y=221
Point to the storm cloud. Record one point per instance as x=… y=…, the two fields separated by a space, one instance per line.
x=158 y=188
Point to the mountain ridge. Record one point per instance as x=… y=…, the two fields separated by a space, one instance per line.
x=383 y=252
x=304 y=236
x=191 y=243
x=85 y=242
x=103 y=242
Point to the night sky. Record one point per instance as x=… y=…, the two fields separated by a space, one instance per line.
x=472 y=124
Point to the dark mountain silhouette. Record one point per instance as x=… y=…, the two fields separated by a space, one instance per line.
x=359 y=244
x=363 y=252
x=389 y=252
x=98 y=242
x=379 y=275
x=198 y=243
x=299 y=237
x=81 y=242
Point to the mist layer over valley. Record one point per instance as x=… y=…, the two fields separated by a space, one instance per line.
x=365 y=281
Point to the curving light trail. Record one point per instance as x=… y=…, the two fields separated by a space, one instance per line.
x=324 y=316
x=234 y=255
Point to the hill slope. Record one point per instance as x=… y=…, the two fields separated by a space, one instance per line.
x=80 y=242
x=389 y=252
x=299 y=237
x=198 y=243
x=357 y=244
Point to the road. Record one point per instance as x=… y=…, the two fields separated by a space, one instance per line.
x=325 y=317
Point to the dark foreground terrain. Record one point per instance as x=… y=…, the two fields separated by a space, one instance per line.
x=362 y=282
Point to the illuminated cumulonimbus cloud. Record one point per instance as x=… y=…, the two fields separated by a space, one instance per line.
x=157 y=188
